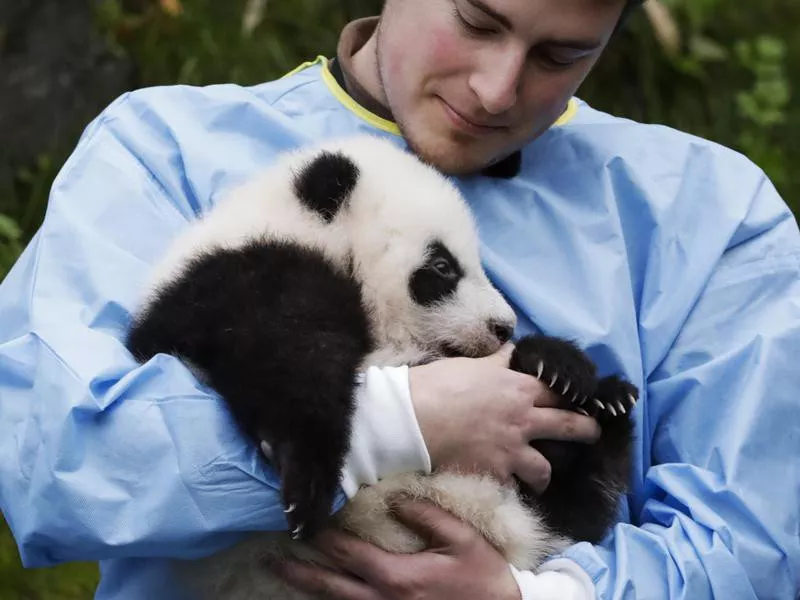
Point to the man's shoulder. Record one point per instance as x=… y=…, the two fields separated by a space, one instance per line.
x=657 y=181
x=655 y=144
x=184 y=106
x=195 y=142
x=207 y=118
x=651 y=164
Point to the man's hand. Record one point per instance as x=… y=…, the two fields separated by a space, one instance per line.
x=458 y=563
x=477 y=415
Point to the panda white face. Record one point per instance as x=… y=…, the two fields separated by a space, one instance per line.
x=456 y=311
x=414 y=248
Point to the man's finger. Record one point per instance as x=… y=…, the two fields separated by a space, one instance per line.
x=433 y=524
x=352 y=554
x=319 y=580
x=560 y=424
x=534 y=469
x=502 y=356
x=547 y=398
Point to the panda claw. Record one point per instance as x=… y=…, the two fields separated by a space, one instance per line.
x=566 y=388
x=297 y=531
x=292 y=507
x=583 y=412
x=553 y=380
x=574 y=397
x=599 y=404
x=266 y=449
x=610 y=409
x=539 y=370
x=632 y=399
x=621 y=407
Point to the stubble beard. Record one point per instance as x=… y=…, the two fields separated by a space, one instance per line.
x=446 y=161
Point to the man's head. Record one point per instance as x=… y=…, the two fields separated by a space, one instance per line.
x=470 y=81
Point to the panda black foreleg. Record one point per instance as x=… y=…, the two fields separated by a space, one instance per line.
x=279 y=334
x=587 y=480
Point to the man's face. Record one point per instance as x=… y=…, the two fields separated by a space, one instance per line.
x=470 y=81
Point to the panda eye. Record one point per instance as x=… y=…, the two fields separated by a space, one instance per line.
x=443 y=268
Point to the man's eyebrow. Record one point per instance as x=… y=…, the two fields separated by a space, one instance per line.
x=502 y=19
x=567 y=44
x=587 y=45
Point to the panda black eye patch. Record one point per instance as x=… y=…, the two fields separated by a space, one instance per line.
x=437 y=278
x=324 y=184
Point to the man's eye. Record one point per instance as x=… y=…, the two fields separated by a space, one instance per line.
x=471 y=28
x=555 y=61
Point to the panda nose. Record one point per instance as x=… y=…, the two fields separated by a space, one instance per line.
x=502 y=330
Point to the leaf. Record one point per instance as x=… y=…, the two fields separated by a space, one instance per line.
x=664 y=26
x=253 y=15
x=173 y=8
x=707 y=50
x=9 y=228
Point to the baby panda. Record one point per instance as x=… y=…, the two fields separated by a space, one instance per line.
x=342 y=255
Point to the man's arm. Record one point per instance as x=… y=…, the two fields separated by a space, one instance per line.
x=719 y=515
x=99 y=456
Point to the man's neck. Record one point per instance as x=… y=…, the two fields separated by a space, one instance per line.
x=356 y=54
x=364 y=68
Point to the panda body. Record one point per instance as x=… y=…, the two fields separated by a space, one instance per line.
x=344 y=255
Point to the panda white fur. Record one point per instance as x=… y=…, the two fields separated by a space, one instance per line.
x=342 y=255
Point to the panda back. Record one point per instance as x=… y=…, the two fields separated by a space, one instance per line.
x=269 y=315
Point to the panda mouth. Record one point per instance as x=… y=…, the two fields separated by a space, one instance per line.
x=449 y=351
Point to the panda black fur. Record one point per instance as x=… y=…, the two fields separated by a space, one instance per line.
x=343 y=255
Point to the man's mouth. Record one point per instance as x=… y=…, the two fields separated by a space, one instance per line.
x=473 y=126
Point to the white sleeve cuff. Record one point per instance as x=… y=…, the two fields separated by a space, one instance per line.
x=386 y=438
x=560 y=579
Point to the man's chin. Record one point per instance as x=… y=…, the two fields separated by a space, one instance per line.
x=450 y=156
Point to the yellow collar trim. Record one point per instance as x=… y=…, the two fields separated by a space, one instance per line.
x=568 y=114
x=305 y=65
x=353 y=106
x=384 y=124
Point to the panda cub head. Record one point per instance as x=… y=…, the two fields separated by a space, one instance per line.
x=412 y=245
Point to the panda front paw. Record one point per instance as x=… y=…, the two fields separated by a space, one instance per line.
x=614 y=398
x=309 y=481
x=560 y=365
x=571 y=374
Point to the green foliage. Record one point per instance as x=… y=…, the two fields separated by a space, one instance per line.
x=212 y=41
x=22 y=203
x=763 y=107
x=65 y=582
x=10 y=242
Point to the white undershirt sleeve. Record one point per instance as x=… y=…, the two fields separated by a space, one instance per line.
x=559 y=579
x=386 y=438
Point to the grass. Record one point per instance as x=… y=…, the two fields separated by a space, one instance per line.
x=75 y=581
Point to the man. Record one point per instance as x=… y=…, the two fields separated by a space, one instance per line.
x=591 y=225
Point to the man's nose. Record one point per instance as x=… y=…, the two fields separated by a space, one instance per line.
x=497 y=81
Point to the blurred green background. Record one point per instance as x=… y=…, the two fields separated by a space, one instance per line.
x=721 y=70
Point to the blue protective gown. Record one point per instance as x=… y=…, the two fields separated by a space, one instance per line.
x=670 y=258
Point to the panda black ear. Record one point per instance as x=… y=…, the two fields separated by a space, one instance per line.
x=325 y=183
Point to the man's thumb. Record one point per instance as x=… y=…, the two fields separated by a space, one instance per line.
x=502 y=356
x=436 y=526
